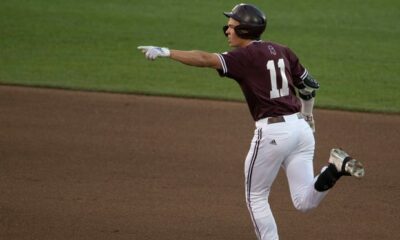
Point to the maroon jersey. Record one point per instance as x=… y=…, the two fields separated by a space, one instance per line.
x=267 y=74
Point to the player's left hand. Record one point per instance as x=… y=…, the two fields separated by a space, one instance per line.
x=310 y=120
x=152 y=52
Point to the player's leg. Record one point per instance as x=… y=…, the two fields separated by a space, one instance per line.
x=300 y=175
x=257 y=187
x=261 y=168
x=300 y=172
x=308 y=191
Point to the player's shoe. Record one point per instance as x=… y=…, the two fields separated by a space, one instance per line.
x=346 y=164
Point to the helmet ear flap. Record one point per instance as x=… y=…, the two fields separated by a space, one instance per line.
x=239 y=30
x=224 y=28
x=249 y=31
x=245 y=31
x=242 y=31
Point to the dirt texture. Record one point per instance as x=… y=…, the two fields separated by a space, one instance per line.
x=85 y=165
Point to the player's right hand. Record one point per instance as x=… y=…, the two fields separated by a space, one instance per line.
x=152 y=52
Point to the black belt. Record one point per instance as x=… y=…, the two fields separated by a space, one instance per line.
x=279 y=119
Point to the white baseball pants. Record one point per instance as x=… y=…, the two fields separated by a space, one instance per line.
x=289 y=145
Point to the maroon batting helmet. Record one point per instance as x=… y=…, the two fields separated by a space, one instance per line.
x=252 y=21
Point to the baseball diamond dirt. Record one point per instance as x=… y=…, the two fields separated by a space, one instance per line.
x=86 y=165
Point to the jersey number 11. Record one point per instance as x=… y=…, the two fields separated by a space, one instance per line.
x=275 y=92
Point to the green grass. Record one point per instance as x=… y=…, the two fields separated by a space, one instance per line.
x=351 y=48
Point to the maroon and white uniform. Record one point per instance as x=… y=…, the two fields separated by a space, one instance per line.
x=268 y=74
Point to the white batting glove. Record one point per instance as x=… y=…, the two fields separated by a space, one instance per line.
x=152 y=52
x=310 y=120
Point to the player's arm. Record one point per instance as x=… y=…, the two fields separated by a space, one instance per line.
x=193 y=58
x=196 y=58
x=307 y=89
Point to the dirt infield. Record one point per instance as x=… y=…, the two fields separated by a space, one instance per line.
x=78 y=165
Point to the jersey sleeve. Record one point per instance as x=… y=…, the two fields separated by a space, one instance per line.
x=299 y=73
x=233 y=63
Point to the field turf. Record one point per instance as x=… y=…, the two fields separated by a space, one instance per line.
x=351 y=48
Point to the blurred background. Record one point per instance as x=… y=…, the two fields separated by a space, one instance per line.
x=351 y=48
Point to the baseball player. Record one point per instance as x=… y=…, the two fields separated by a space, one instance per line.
x=280 y=95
